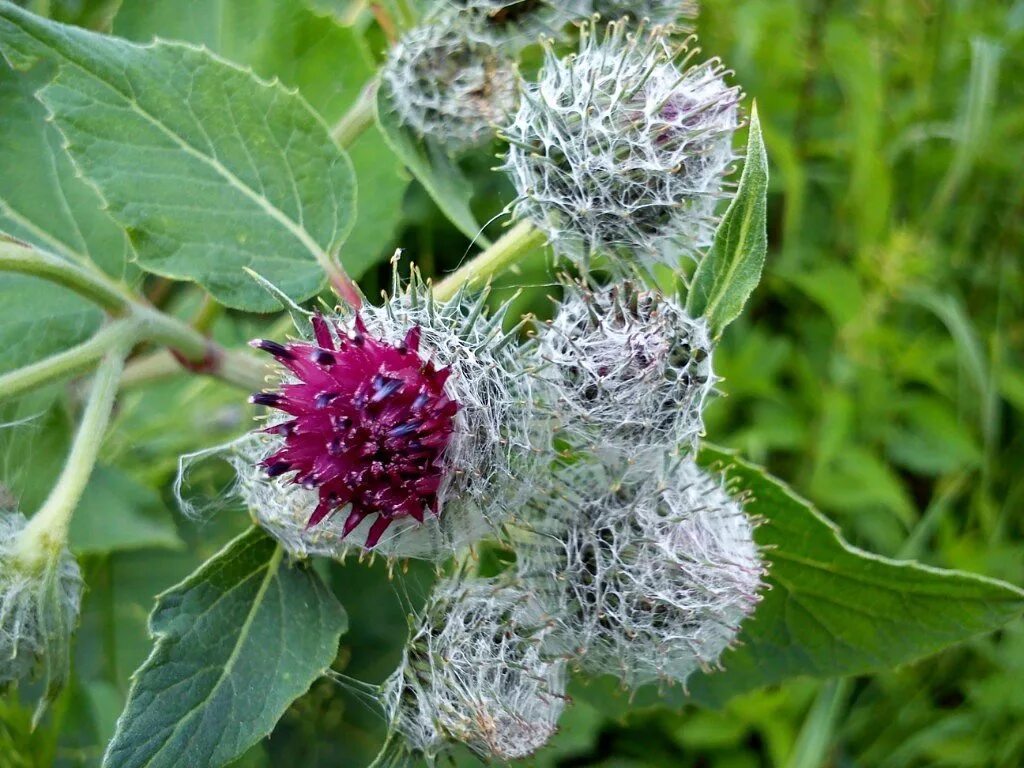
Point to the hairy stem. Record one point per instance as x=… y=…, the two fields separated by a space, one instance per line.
x=502 y=255
x=116 y=335
x=358 y=118
x=196 y=351
x=47 y=531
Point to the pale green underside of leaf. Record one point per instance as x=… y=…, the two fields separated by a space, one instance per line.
x=209 y=169
x=731 y=270
x=41 y=200
x=39 y=319
x=237 y=642
x=329 y=64
x=435 y=170
x=118 y=513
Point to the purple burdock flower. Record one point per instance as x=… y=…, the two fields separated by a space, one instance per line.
x=369 y=425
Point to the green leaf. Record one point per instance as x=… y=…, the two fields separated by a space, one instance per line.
x=236 y=643
x=731 y=270
x=118 y=513
x=834 y=610
x=432 y=167
x=210 y=169
x=39 y=319
x=329 y=64
x=42 y=201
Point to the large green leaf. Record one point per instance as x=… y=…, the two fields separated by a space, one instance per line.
x=210 y=169
x=835 y=610
x=435 y=170
x=236 y=643
x=328 y=63
x=41 y=200
x=731 y=270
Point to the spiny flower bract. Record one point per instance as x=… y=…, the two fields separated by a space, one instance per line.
x=624 y=367
x=407 y=430
x=647 y=578
x=517 y=23
x=40 y=599
x=472 y=672
x=448 y=86
x=618 y=151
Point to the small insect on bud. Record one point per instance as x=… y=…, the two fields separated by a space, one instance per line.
x=403 y=429
x=624 y=367
x=472 y=672
x=662 y=12
x=654 y=577
x=40 y=599
x=621 y=151
x=448 y=86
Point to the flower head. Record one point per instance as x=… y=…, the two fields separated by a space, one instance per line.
x=447 y=85
x=473 y=673
x=40 y=599
x=617 y=150
x=368 y=424
x=624 y=368
x=654 y=576
x=405 y=429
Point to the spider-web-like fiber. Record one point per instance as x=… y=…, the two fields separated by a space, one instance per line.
x=491 y=453
x=677 y=13
x=472 y=672
x=647 y=579
x=38 y=607
x=618 y=150
x=448 y=86
x=624 y=368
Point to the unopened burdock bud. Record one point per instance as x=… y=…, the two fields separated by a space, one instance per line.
x=404 y=428
x=625 y=368
x=647 y=578
x=448 y=86
x=621 y=150
x=40 y=599
x=473 y=673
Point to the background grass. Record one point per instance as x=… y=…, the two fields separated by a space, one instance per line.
x=879 y=368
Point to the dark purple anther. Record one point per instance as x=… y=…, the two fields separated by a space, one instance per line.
x=370 y=425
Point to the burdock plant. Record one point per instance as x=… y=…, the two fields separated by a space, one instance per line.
x=623 y=148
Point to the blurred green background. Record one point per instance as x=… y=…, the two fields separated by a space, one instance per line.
x=879 y=368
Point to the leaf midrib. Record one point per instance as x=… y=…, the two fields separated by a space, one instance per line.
x=272 y=567
x=278 y=215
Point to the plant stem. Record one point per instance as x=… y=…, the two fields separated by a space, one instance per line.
x=94 y=286
x=818 y=731
x=47 y=531
x=205 y=356
x=358 y=118
x=116 y=335
x=505 y=252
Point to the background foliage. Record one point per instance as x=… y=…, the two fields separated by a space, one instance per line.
x=879 y=368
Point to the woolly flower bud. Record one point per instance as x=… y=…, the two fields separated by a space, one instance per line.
x=673 y=12
x=625 y=368
x=517 y=22
x=40 y=598
x=472 y=673
x=448 y=86
x=651 y=579
x=405 y=428
x=617 y=150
